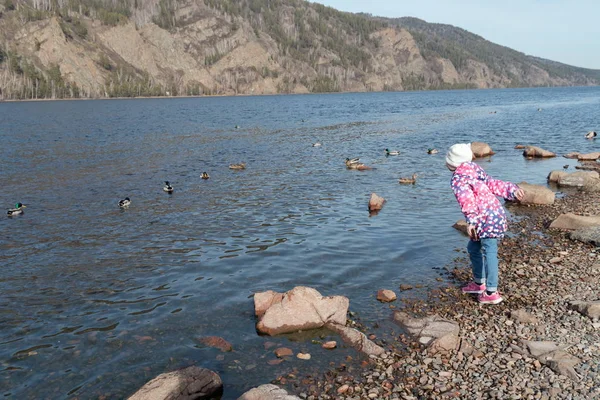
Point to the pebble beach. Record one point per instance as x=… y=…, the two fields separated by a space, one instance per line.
x=542 y=273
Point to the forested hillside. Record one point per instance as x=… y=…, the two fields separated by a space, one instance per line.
x=113 y=48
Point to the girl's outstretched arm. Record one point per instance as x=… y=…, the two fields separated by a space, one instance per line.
x=507 y=190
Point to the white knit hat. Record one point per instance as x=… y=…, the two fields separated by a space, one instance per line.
x=458 y=154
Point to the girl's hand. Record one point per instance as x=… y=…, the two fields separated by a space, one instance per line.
x=472 y=231
x=519 y=194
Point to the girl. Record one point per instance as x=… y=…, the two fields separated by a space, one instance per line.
x=476 y=193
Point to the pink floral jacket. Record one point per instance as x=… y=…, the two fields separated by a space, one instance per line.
x=476 y=193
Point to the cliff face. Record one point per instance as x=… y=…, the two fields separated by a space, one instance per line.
x=260 y=47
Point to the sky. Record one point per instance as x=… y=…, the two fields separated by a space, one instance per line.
x=567 y=31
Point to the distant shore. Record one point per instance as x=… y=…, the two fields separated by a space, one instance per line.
x=280 y=94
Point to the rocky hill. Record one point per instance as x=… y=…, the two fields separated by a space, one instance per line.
x=110 y=48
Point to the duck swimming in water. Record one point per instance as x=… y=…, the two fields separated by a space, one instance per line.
x=125 y=202
x=432 y=151
x=392 y=152
x=412 y=180
x=168 y=188
x=352 y=161
x=204 y=175
x=590 y=135
x=238 y=166
x=17 y=210
x=317 y=144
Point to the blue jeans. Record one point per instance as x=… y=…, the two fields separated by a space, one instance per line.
x=484 y=262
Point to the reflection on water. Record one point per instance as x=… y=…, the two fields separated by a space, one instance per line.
x=96 y=300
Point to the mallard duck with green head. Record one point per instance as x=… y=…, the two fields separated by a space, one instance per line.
x=389 y=152
x=17 y=210
x=352 y=161
x=432 y=151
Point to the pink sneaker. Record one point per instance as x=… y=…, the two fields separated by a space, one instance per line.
x=474 y=288
x=493 y=298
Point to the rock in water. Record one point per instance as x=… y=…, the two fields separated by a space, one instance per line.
x=302 y=308
x=461 y=226
x=536 y=194
x=186 y=384
x=216 y=342
x=386 y=296
x=537 y=152
x=589 y=156
x=481 y=149
x=376 y=202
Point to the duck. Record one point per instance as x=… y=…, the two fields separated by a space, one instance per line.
x=204 y=175
x=590 y=135
x=539 y=109
x=432 y=151
x=391 y=153
x=412 y=180
x=317 y=144
x=168 y=188
x=17 y=210
x=238 y=166
x=352 y=161
x=125 y=202
x=566 y=166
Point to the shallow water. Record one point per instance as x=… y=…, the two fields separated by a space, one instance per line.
x=95 y=300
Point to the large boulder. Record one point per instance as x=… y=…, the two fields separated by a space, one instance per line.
x=301 y=308
x=587 y=235
x=589 y=156
x=537 y=152
x=589 y=166
x=554 y=176
x=578 y=179
x=536 y=194
x=376 y=202
x=186 y=384
x=267 y=392
x=573 y=222
x=481 y=149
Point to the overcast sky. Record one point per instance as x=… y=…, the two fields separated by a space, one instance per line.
x=561 y=30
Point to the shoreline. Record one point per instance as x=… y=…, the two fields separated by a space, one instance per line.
x=540 y=274
x=282 y=94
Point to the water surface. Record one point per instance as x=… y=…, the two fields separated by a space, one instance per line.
x=95 y=300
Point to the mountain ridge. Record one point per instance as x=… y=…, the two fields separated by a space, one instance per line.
x=130 y=48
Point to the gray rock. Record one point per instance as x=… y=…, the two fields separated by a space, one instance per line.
x=590 y=309
x=433 y=326
x=539 y=348
x=521 y=315
x=356 y=339
x=587 y=235
x=267 y=392
x=571 y=221
x=186 y=384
